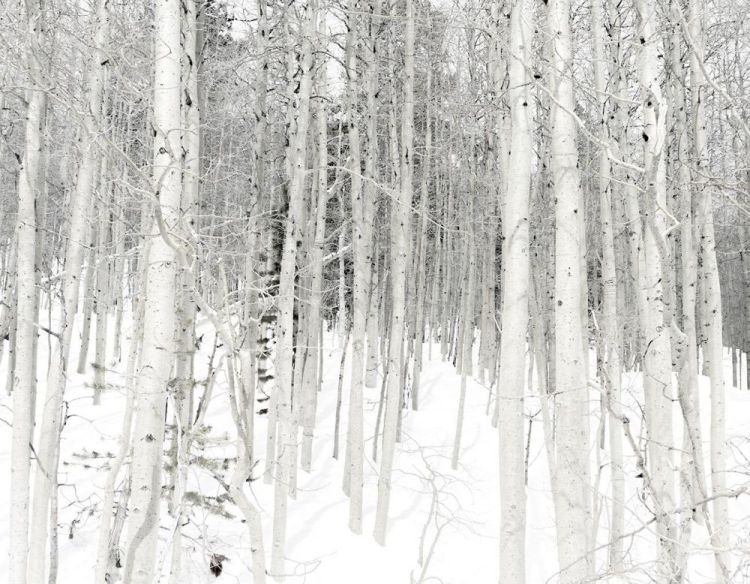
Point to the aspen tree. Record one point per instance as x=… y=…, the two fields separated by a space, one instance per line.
x=421 y=263
x=693 y=486
x=515 y=310
x=182 y=396
x=257 y=190
x=88 y=290
x=657 y=358
x=400 y=237
x=24 y=369
x=107 y=544
x=612 y=369
x=312 y=369
x=373 y=354
x=572 y=497
x=101 y=287
x=360 y=301
x=296 y=165
x=708 y=276
x=159 y=320
x=370 y=196
x=48 y=448
x=467 y=326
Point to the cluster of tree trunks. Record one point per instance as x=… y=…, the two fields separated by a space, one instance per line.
x=477 y=207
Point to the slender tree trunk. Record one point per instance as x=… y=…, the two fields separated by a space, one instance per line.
x=285 y=348
x=572 y=499
x=691 y=458
x=311 y=373
x=467 y=332
x=400 y=238
x=107 y=544
x=515 y=311
x=361 y=247
x=65 y=311
x=611 y=367
x=24 y=368
x=101 y=288
x=371 y=369
x=421 y=265
x=186 y=281
x=709 y=282
x=657 y=371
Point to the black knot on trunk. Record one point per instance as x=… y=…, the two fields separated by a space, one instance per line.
x=216 y=564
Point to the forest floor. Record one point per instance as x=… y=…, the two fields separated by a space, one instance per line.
x=449 y=518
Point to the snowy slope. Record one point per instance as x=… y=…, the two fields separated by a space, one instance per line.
x=452 y=516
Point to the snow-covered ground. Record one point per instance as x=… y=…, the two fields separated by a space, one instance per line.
x=449 y=518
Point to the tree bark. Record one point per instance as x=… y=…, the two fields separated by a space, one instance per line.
x=159 y=321
x=572 y=499
x=400 y=238
x=515 y=310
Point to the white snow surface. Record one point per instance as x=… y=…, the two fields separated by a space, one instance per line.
x=463 y=535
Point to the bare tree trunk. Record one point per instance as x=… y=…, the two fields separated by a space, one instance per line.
x=186 y=281
x=107 y=545
x=312 y=369
x=400 y=238
x=159 y=320
x=612 y=378
x=572 y=499
x=285 y=345
x=421 y=264
x=692 y=475
x=515 y=311
x=64 y=313
x=24 y=369
x=709 y=281
x=88 y=289
x=361 y=247
x=467 y=332
x=373 y=356
x=657 y=371
x=101 y=288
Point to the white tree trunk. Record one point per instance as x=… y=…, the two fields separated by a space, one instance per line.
x=186 y=306
x=657 y=370
x=65 y=309
x=285 y=348
x=515 y=311
x=159 y=322
x=692 y=483
x=572 y=499
x=612 y=370
x=711 y=313
x=107 y=545
x=421 y=263
x=373 y=355
x=361 y=282
x=312 y=369
x=400 y=238
x=24 y=370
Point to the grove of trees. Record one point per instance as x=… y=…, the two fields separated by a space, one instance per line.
x=551 y=195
